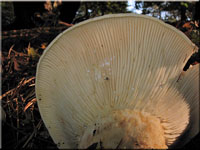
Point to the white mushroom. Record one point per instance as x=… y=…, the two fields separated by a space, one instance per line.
x=112 y=81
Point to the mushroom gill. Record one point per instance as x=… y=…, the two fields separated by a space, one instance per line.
x=112 y=82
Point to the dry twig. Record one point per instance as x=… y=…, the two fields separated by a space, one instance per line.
x=33 y=133
x=23 y=82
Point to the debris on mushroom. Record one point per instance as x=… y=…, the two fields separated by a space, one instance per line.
x=123 y=95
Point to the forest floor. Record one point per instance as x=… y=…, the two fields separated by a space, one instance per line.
x=22 y=126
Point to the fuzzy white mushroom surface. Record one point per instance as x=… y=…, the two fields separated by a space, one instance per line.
x=112 y=81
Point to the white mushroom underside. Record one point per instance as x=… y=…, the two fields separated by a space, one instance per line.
x=113 y=63
x=125 y=129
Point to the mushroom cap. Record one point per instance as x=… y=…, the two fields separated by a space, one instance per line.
x=117 y=62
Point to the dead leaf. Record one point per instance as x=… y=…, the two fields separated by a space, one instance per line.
x=48 y=5
x=43 y=45
x=196 y=23
x=32 y=52
x=187 y=25
x=16 y=65
x=57 y=3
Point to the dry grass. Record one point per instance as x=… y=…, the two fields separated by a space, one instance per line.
x=22 y=126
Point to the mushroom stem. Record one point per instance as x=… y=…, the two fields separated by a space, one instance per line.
x=128 y=129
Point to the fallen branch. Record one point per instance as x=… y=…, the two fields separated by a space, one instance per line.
x=34 y=32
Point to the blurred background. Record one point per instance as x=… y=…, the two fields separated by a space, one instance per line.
x=28 y=28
